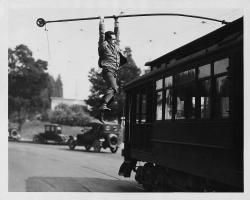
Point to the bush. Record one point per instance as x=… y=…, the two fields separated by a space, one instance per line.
x=69 y=115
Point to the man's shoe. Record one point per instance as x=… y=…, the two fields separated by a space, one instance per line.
x=104 y=107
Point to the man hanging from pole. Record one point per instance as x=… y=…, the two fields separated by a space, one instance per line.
x=110 y=59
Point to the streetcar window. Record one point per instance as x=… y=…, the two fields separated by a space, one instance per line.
x=159 y=106
x=168 y=97
x=221 y=66
x=144 y=108
x=163 y=65
x=144 y=102
x=205 y=107
x=204 y=85
x=222 y=108
x=194 y=96
x=154 y=68
x=137 y=104
x=159 y=84
x=205 y=100
x=168 y=105
x=185 y=76
x=180 y=109
x=143 y=118
x=204 y=71
x=137 y=108
x=168 y=81
x=159 y=99
x=222 y=97
x=185 y=107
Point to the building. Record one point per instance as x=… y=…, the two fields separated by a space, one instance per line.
x=59 y=100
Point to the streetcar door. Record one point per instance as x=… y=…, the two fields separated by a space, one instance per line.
x=141 y=118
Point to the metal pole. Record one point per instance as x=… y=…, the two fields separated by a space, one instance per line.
x=41 y=22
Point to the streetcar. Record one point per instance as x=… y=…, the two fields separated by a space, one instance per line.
x=184 y=119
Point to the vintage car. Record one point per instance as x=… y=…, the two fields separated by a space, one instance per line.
x=97 y=135
x=14 y=134
x=52 y=132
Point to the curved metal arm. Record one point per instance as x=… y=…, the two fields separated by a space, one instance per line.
x=41 y=22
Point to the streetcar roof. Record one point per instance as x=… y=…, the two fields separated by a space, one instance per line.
x=190 y=48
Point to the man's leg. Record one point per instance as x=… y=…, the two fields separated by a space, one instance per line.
x=112 y=89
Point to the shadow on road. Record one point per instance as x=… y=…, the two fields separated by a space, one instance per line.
x=90 y=151
x=74 y=184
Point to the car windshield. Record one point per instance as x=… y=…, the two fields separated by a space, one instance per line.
x=47 y=128
x=59 y=129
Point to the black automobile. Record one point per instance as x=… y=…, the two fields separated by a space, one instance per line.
x=52 y=132
x=98 y=135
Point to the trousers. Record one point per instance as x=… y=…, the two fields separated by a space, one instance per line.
x=112 y=88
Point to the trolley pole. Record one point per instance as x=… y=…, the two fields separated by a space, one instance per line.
x=41 y=22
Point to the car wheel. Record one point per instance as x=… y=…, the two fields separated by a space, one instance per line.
x=97 y=146
x=72 y=144
x=159 y=181
x=87 y=147
x=60 y=142
x=113 y=140
x=148 y=176
x=14 y=134
x=113 y=150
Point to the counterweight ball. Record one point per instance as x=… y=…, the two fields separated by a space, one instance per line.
x=40 y=22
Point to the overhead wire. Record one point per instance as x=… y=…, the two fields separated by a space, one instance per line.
x=47 y=37
x=230 y=14
x=59 y=41
x=185 y=30
x=174 y=32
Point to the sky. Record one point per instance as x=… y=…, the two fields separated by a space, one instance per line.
x=71 y=47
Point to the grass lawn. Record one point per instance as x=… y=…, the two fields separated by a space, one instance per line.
x=31 y=128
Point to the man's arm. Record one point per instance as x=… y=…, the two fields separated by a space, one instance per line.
x=101 y=31
x=117 y=30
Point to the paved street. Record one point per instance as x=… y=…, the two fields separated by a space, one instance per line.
x=55 y=168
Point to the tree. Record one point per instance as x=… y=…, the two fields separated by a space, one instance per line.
x=55 y=87
x=51 y=87
x=59 y=86
x=27 y=79
x=126 y=73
